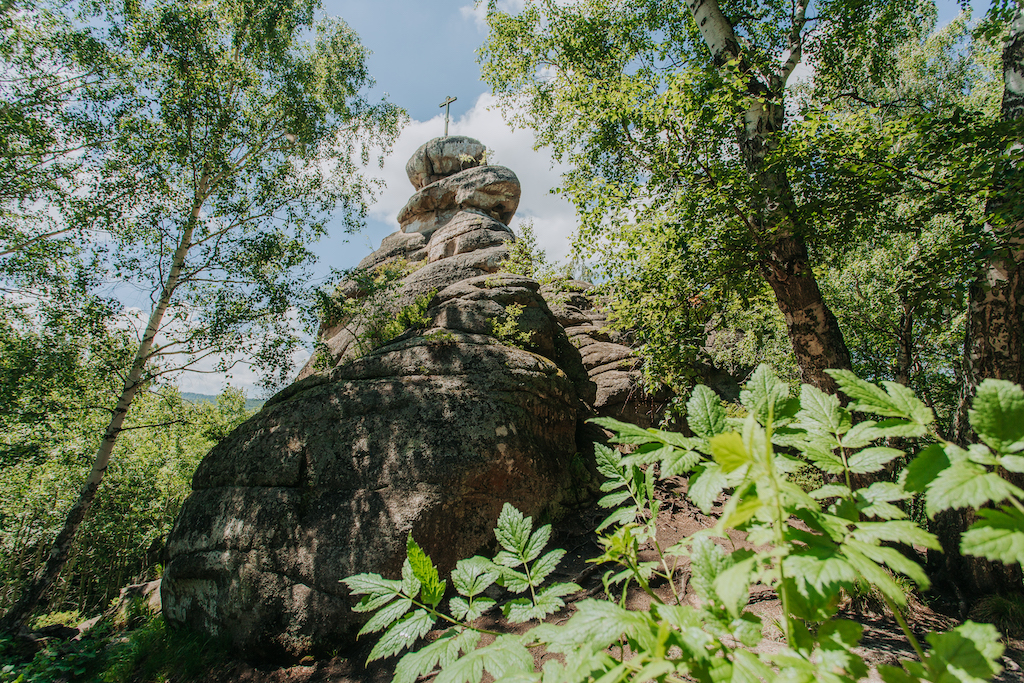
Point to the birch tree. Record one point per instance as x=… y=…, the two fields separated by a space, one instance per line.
x=240 y=141
x=672 y=114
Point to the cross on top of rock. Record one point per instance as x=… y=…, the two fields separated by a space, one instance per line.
x=447 y=106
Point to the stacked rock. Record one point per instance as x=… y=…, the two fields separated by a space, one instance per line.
x=455 y=227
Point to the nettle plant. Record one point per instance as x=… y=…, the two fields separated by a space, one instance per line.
x=811 y=546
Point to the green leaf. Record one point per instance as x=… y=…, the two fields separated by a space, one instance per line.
x=515 y=582
x=968 y=651
x=442 y=652
x=386 y=616
x=623 y=515
x=998 y=536
x=997 y=415
x=830 y=491
x=824 y=460
x=614 y=499
x=868 y=397
x=473 y=576
x=679 y=462
x=513 y=530
x=425 y=572
x=733 y=585
x=373 y=584
x=923 y=470
x=911 y=406
x=609 y=463
x=402 y=635
x=704 y=412
x=1012 y=463
x=965 y=484
x=410 y=584
x=536 y=544
x=872 y=459
x=898 y=531
x=503 y=659
x=765 y=393
x=625 y=432
x=821 y=411
x=729 y=451
x=706 y=485
x=545 y=565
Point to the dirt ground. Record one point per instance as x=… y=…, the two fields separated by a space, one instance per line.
x=883 y=641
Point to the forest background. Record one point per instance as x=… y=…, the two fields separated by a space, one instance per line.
x=898 y=156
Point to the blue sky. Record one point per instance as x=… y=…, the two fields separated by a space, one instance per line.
x=424 y=51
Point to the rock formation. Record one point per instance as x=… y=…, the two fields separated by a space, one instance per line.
x=429 y=434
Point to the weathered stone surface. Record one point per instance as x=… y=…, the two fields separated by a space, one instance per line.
x=429 y=436
x=609 y=361
x=441 y=157
x=465 y=232
x=494 y=190
x=408 y=245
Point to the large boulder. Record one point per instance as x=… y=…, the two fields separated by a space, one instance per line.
x=428 y=436
x=492 y=190
x=441 y=157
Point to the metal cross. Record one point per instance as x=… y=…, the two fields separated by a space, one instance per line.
x=447 y=105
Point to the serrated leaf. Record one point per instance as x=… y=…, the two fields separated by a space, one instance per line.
x=997 y=536
x=647 y=454
x=461 y=609
x=705 y=487
x=868 y=397
x=824 y=460
x=1012 y=463
x=971 y=649
x=765 y=393
x=515 y=582
x=733 y=585
x=545 y=565
x=513 y=529
x=873 y=573
x=472 y=576
x=830 y=491
x=872 y=459
x=704 y=412
x=965 y=484
x=625 y=432
x=503 y=659
x=679 y=462
x=596 y=623
x=410 y=584
x=821 y=411
x=613 y=499
x=425 y=572
x=386 y=616
x=923 y=469
x=623 y=515
x=442 y=652
x=536 y=544
x=912 y=407
x=893 y=559
x=898 y=428
x=609 y=463
x=707 y=561
x=403 y=634
x=898 y=531
x=372 y=584
x=883 y=491
x=729 y=451
x=997 y=415
x=820 y=569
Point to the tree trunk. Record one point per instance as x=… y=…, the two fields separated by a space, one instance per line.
x=813 y=329
x=48 y=573
x=993 y=343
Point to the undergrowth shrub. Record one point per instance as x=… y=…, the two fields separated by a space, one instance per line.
x=814 y=546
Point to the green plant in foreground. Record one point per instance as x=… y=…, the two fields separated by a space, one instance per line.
x=806 y=547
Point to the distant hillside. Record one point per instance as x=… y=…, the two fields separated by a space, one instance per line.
x=250 y=403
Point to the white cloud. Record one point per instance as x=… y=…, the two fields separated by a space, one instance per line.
x=478 y=11
x=554 y=218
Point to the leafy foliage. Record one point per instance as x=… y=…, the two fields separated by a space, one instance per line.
x=807 y=547
x=149 y=478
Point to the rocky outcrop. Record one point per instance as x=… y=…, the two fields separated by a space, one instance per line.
x=429 y=434
x=606 y=354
